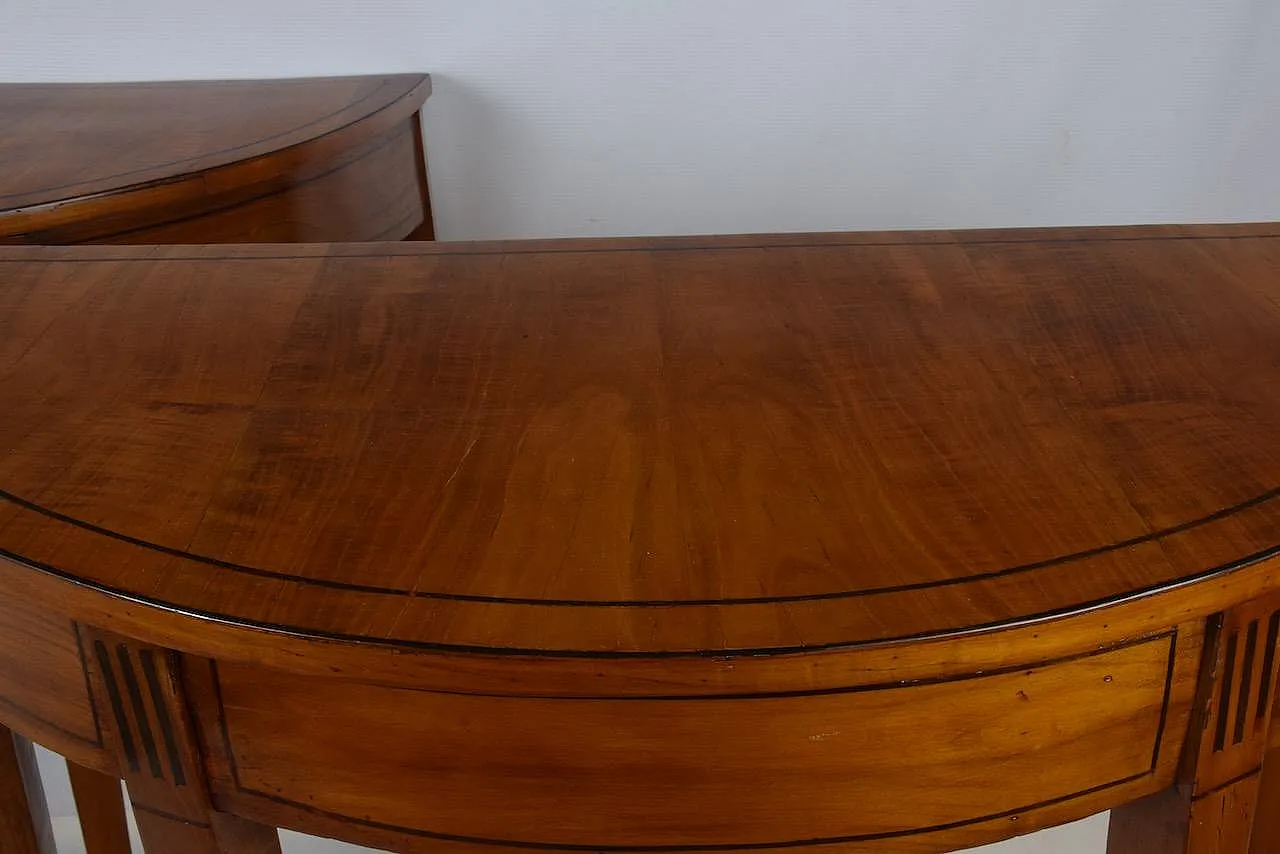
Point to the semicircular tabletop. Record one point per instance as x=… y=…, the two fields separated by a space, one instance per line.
x=56 y=133
x=664 y=446
x=110 y=162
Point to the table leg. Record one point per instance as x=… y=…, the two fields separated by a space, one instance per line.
x=148 y=728
x=24 y=817
x=1216 y=806
x=100 y=805
x=1266 y=825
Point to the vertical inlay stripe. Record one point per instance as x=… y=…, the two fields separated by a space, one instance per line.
x=140 y=708
x=1246 y=680
x=147 y=657
x=1268 y=666
x=1224 y=694
x=117 y=705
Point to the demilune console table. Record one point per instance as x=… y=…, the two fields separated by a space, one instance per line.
x=325 y=159
x=250 y=161
x=895 y=542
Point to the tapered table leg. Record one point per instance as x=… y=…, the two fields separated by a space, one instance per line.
x=24 y=817
x=1266 y=825
x=100 y=805
x=1227 y=798
x=149 y=731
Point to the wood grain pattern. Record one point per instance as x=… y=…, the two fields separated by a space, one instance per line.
x=1174 y=822
x=236 y=162
x=1221 y=823
x=24 y=816
x=224 y=161
x=100 y=808
x=45 y=696
x=882 y=542
x=572 y=398
x=1213 y=809
x=606 y=774
x=149 y=731
x=1266 y=827
x=1237 y=726
x=373 y=196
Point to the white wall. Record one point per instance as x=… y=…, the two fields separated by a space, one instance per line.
x=586 y=117
x=575 y=117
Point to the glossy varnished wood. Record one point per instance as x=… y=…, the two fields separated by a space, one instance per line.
x=149 y=731
x=603 y=775
x=644 y=450
x=100 y=808
x=1266 y=828
x=46 y=695
x=241 y=161
x=667 y=543
x=1213 y=808
x=24 y=818
x=213 y=162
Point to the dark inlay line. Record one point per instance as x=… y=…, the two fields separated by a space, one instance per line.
x=726 y=847
x=1246 y=680
x=147 y=657
x=22 y=711
x=117 y=705
x=222 y=722
x=165 y=179
x=454 y=248
x=1224 y=695
x=1268 y=666
x=168 y=816
x=331 y=584
x=88 y=686
x=140 y=708
x=1200 y=796
x=1026 y=667
x=391 y=137
x=1164 y=703
x=951 y=632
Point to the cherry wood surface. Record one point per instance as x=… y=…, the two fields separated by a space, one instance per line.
x=882 y=542
x=1266 y=829
x=183 y=162
x=45 y=692
x=771 y=446
x=317 y=159
x=100 y=808
x=25 y=826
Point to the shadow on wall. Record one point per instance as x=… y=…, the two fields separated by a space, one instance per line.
x=507 y=167
x=468 y=139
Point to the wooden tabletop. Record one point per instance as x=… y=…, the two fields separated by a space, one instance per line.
x=664 y=447
x=78 y=160
x=56 y=133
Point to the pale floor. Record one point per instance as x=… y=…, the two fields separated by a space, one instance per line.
x=1082 y=837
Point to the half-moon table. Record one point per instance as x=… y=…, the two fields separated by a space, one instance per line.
x=200 y=162
x=250 y=161
x=896 y=542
